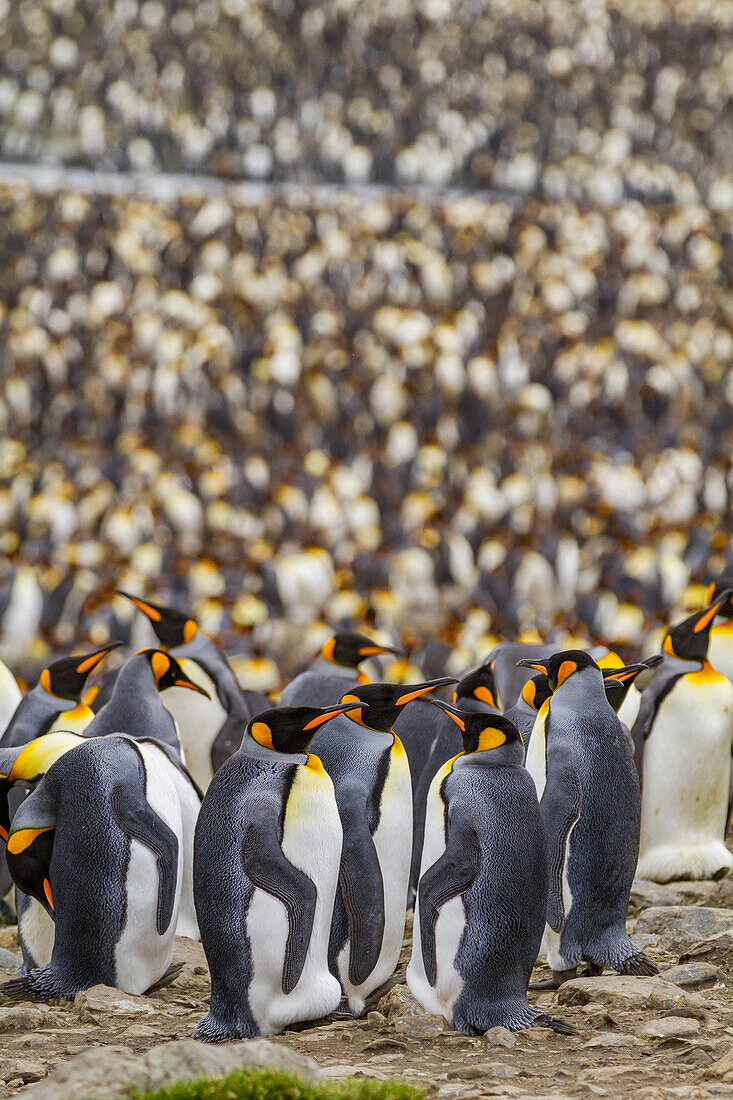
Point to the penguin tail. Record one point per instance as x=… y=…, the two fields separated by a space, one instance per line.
x=165 y=979
x=638 y=965
x=41 y=984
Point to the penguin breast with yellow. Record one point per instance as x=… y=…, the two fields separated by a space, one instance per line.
x=683 y=735
x=371 y=776
x=98 y=843
x=481 y=899
x=266 y=865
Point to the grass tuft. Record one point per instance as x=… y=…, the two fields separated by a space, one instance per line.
x=248 y=1084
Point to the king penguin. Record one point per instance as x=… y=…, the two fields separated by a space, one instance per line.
x=267 y=854
x=322 y=683
x=720 y=652
x=523 y=714
x=481 y=900
x=683 y=735
x=578 y=752
x=211 y=728
x=371 y=775
x=98 y=844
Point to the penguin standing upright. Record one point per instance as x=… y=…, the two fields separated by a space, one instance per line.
x=482 y=896
x=683 y=737
x=267 y=852
x=98 y=844
x=211 y=728
x=371 y=777
x=578 y=755
x=720 y=651
x=322 y=683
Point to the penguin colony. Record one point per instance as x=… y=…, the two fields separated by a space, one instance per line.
x=291 y=838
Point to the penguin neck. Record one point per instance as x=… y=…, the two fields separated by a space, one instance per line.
x=323 y=667
x=254 y=751
x=207 y=654
x=33 y=715
x=476 y=706
x=586 y=684
x=505 y=756
x=723 y=628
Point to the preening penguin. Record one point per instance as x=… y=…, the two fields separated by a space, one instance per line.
x=683 y=738
x=267 y=852
x=371 y=776
x=323 y=682
x=211 y=728
x=481 y=900
x=578 y=752
x=98 y=844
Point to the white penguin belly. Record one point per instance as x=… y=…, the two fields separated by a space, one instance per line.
x=720 y=652
x=629 y=709
x=393 y=844
x=38 y=932
x=190 y=806
x=536 y=762
x=687 y=771
x=312 y=838
x=10 y=696
x=142 y=955
x=198 y=719
x=449 y=927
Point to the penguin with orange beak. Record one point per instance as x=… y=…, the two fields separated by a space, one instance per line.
x=323 y=682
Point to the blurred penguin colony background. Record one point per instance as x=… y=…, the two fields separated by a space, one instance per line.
x=407 y=317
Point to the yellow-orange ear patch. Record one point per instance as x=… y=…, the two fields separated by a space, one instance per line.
x=567 y=668
x=189 y=631
x=529 y=693
x=490 y=738
x=18 y=842
x=45 y=681
x=160 y=665
x=484 y=695
x=668 y=647
x=328 y=648
x=262 y=734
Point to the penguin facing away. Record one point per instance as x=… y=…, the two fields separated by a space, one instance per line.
x=266 y=863
x=579 y=752
x=482 y=895
x=371 y=776
x=98 y=845
x=322 y=683
x=720 y=651
x=683 y=734
x=210 y=728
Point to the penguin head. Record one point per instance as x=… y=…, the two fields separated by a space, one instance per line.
x=30 y=763
x=536 y=691
x=66 y=677
x=385 y=701
x=349 y=649
x=561 y=666
x=290 y=729
x=172 y=628
x=479 y=686
x=167 y=672
x=481 y=732
x=689 y=640
x=716 y=589
x=617 y=681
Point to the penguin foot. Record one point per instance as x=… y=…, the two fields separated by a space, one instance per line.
x=165 y=979
x=639 y=966
x=345 y=1012
x=558 y=977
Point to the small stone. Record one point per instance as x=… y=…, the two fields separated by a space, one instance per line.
x=680 y=926
x=384 y=1046
x=612 y=1039
x=10 y=959
x=399 y=1002
x=104 y=1000
x=24 y=1070
x=597 y=1016
x=695 y=975
x=624 y=992
x=418 y=1027
x=668 y=1027
x=375 y=1020
x=499 y=1037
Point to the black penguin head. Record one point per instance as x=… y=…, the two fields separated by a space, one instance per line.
x=172 y=628
x=349 y=649
x=481 y=732
x=560 y=666
x=385 y=701
x=478 y=685
x=617 y=681
x=167 y=672
x=536 y=691
x=716 y=589
x=29 y=858
x=66 y=677
x=689 y=640
x=290 y=729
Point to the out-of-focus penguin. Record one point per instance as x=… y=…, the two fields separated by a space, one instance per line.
x=10 y=696
x=371 y=776
x=720 y=651
x=580 y=753
x=267 y=853
x=482 y=895
x=98 y=843
x=322 y=683
x=683 y=736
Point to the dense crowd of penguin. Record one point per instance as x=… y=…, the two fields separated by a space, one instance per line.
x=292 y=838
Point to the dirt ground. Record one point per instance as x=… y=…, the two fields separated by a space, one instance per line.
x=620 y=1047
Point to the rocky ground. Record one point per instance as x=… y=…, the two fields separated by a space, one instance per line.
x=670 y=1036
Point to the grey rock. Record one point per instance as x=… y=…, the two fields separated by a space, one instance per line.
x=715 y=949
x=668 y=1027
x=399 y=1002
x=499 y=1037
x=695 y=975
x=104 y=1000
x=425 y=1026
x=26 y=1018
x=648 y=895
x=621 y=992
x=10 y=959
x=680 y=926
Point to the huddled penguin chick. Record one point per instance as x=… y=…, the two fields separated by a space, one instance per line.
x=109 y=806
x=55 y=701
x=371 y=776
x=210 y=727
x=322 y=683
x=482 y=895
x=266 y=864
x=720 y=652
x=683 y=736
x=578 y=752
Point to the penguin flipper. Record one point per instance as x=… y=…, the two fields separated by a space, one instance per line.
x=560 y=807
x=449 y=876
x=228 y=739
x=362 y=890
x=270 y=870
x=140 y=822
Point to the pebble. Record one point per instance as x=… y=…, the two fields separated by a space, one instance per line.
x=668 y=1027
